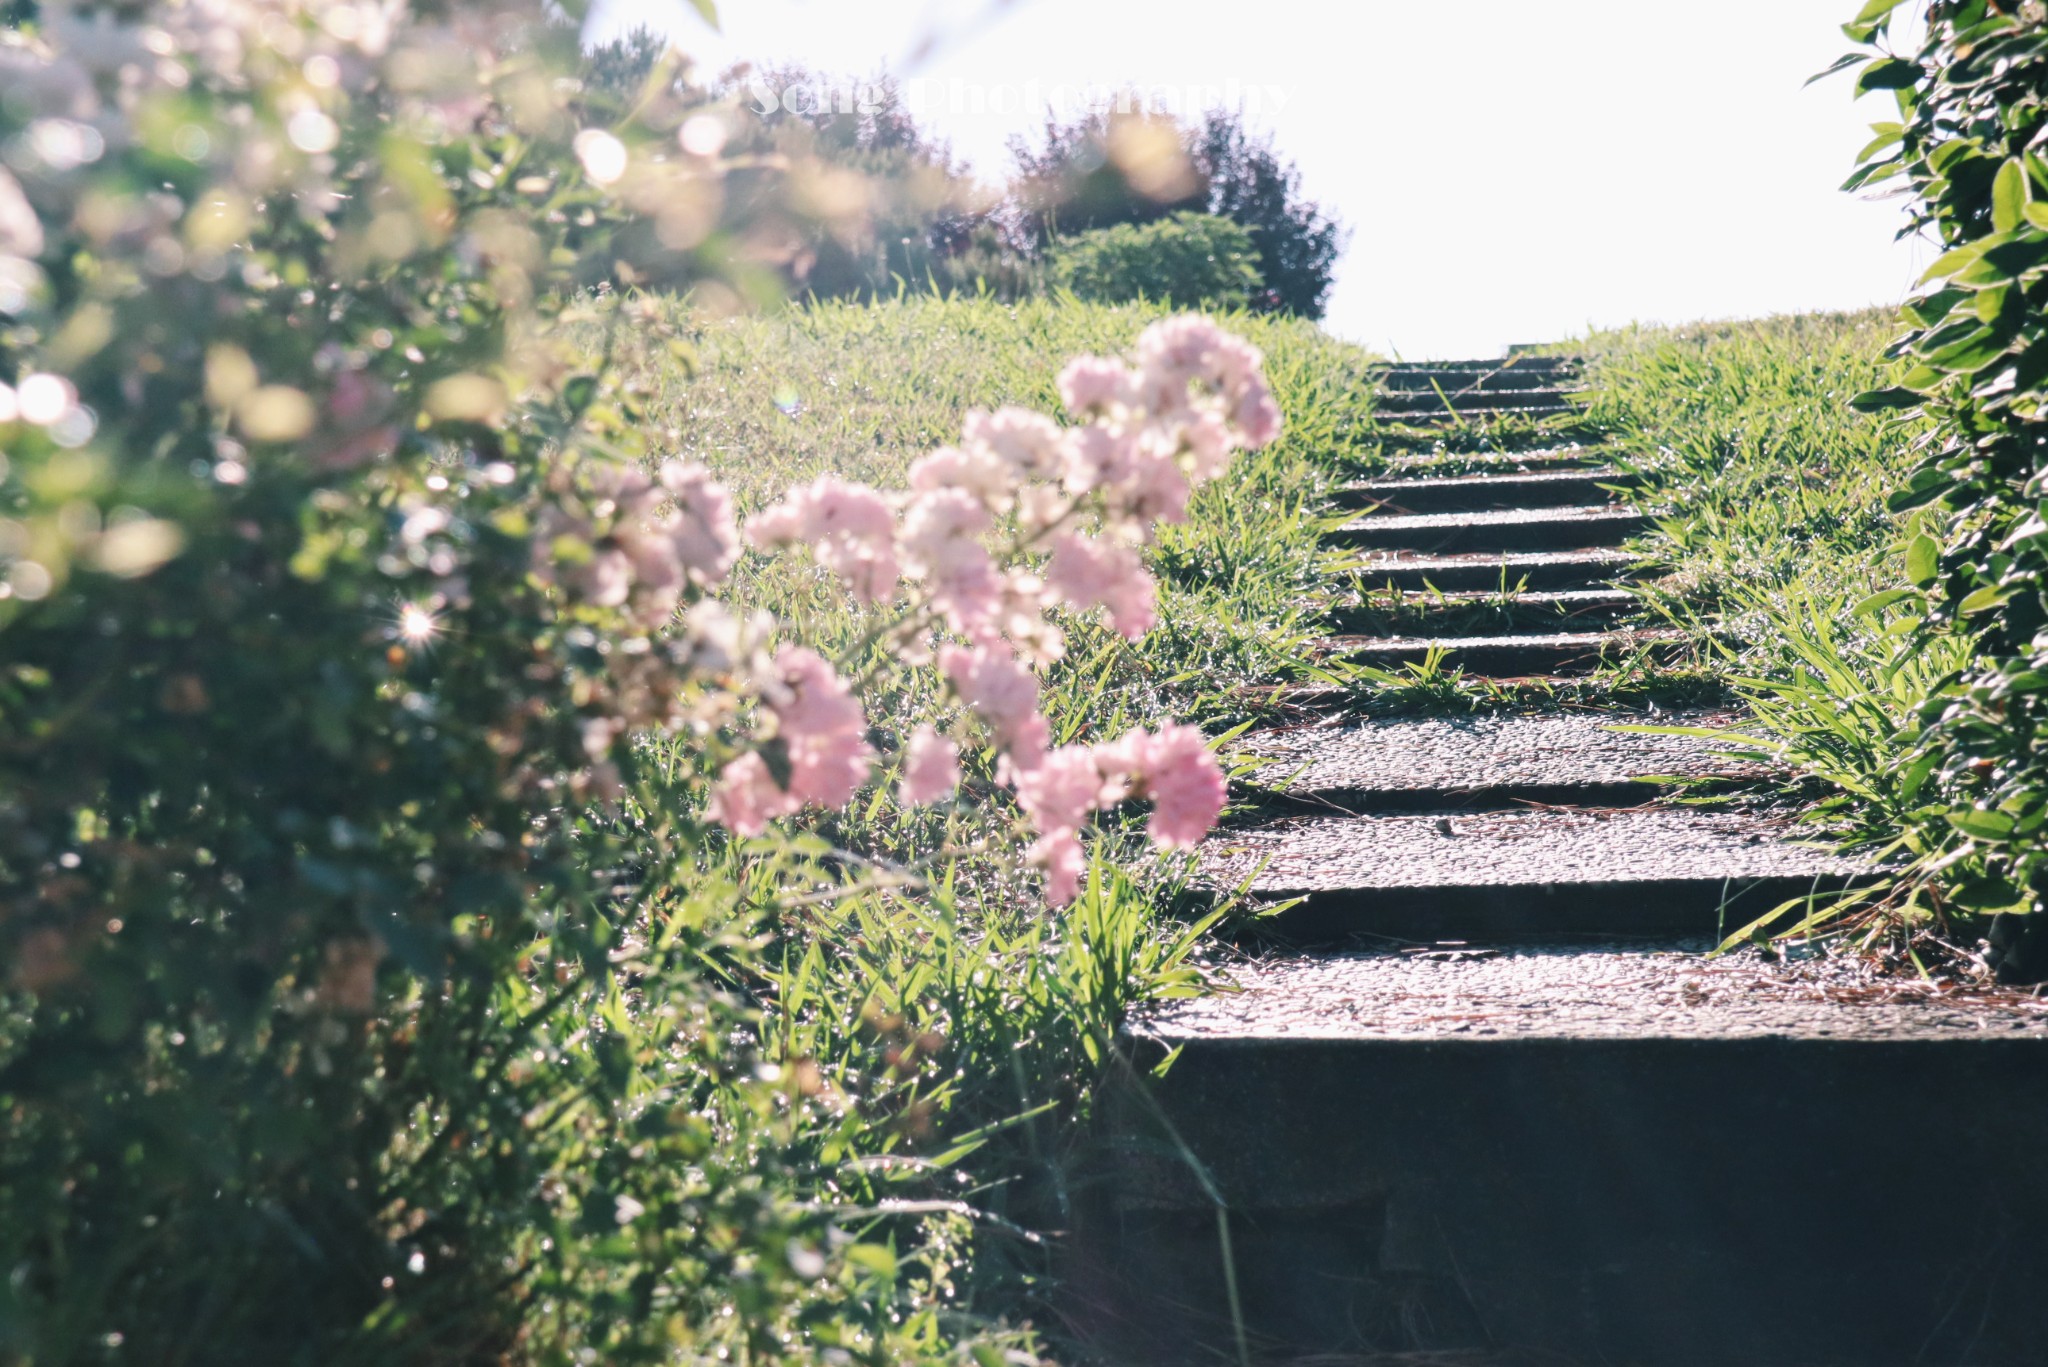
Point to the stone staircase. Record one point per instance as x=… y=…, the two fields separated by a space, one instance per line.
x=1481 y=1095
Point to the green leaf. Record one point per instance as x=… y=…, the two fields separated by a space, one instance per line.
x=1884 y=400
x=1878 y=602
x=1841 y=63
x=1876 y=10
x=1923 y=559
x=1985 y=894
x=874 y=1258
x=1889 y=73
x=1949 y=262
x=707 y=10
x=1981 y=825
x=2009 y=195
x=1985 y=599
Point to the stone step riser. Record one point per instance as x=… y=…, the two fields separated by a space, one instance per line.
x=1447 y=802
x=1525 y=364
x=1484 y=494
x=1520 y=911
x=1560 y=573
x=1513 y=380
x=1594 y=528
x=1438 y=416
x=1467 y=400
x=1482 y=612
x=1492 y=657
x=1684 y=1202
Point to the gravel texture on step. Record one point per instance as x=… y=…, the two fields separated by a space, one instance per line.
x=1558 y=849
x=1483 y=492
x=1570 y=456
x=1580 y=991
x=1538 y=604
x=1462 y=754
x=1595 y=520
x=1484 y=570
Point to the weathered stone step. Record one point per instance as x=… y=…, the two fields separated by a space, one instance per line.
x=1435 y=763
x=1483 y=493
x=1526 y=364
x=1429 y=402
x=1468 y=609
x=1492 y=378
x=1518 y=529
x=1476 y=413
x=1484 y=571
x=1604 y=1152
x=1528 y=459
x=1528 y=873
x=1560 y=654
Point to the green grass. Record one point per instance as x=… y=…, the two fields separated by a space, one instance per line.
x=1775 y=537
x=950 y=1029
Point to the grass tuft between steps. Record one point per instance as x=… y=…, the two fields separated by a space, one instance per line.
x=1777 y=539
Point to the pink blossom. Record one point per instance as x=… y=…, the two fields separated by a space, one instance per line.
x=1257 y=416
x=1002 y=693
x=747 y=797
x=980 y=473
x=1059 y=854
x=1175 y=768
x=1088 y=573
x=1058 y=795
x=702 y=532
x=823 y=734
x=1027 y=442
x=849 y=528
x=824 y=728
x=607 y=578
x=942 y=530
x=931 y=768
x=1091 y=383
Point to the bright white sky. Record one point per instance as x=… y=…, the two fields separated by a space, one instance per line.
x=1513 y=171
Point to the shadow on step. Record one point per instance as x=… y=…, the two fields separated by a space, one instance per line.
x=1667 y=1203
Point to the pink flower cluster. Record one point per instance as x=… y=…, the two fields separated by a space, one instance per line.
x=1023 y=516
x=630 y=540
x=1172 y=765
x=818 y=737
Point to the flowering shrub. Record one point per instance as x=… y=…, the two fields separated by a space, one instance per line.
x=354 y=944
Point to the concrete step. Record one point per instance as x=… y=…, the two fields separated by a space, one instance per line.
x=1525 y=873
x=1482 y=377
x=1475 y=413
x=1528 y=365
x=1482 y=571
x=1479 y=611
x=1439 y=463
x=1429 y=402
x=1484 y=493
x=1559 y=654
x=1479 y=762
x=1581 y=1153
x=1517 y=529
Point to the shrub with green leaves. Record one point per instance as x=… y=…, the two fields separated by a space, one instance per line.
x=1188 y=261
x=1967 y=144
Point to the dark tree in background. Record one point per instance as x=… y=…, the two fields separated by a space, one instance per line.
x=1251 y=185
x=1109 y=168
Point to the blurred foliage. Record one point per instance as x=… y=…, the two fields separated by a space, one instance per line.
x=1191 y=260
x=367 y=996
x=923 y=223
x=1129 y=166
x=1966 y=146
